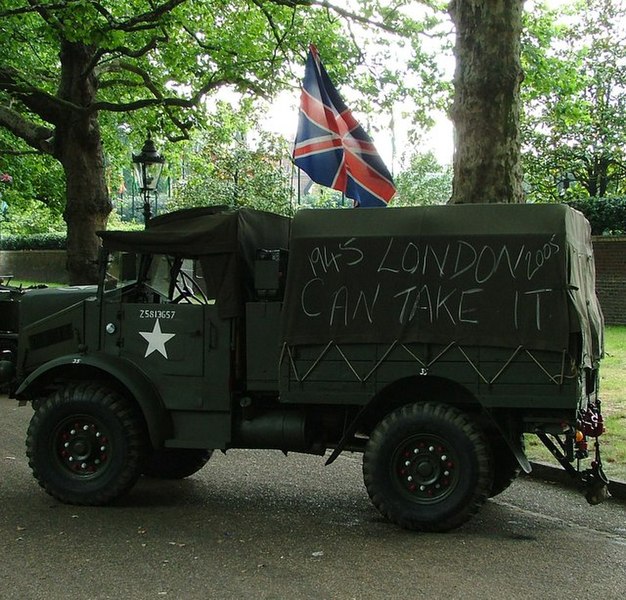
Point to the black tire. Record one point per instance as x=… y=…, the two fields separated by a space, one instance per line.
x=427 y=467
x=86 y=444
x=506 y=468
x=175 y=463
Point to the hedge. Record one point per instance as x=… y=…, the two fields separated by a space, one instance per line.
x=36 y=241
x=606 y=215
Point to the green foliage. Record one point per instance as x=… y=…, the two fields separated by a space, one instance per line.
x=158 y=66
x=150 y=71
x=605 y=215
x=38 y=241
x=116 y=223
x=35 y=198
x=424 y=181
x=574 y=93
x=233 y=164
x=323 y=197
x=22 y=215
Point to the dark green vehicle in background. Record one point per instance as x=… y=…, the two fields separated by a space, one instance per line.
x=9 y=315
x=430 y=339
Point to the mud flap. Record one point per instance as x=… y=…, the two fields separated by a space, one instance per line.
x=520 y=455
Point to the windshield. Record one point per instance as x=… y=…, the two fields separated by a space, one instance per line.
x=158 y=275
x=177 y=280
x=157 y=278
x=121 y=269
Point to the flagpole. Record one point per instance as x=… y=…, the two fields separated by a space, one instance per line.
x=291 y=194
x=299 y=188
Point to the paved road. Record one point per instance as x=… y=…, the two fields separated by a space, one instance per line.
x=259 y=525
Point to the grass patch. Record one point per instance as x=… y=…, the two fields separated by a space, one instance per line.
x=613 y=396
x=25 y=283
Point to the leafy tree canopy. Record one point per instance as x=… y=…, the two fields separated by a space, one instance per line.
x=424 y=181
x=574 y=99
x=72 y=72
x=233 y=163
x=168 y=55
x=607 y=216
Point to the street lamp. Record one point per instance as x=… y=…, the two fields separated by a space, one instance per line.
x=147 y=166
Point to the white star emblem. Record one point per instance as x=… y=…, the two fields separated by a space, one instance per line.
x=156 y=340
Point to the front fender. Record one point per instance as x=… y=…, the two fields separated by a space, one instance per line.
x=122 y=373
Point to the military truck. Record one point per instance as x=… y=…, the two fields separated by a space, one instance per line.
x=429 y=339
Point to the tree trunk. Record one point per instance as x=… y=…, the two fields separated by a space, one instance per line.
x=485 y=113
x=78 y=147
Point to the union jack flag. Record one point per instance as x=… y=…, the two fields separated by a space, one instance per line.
x=331 y=146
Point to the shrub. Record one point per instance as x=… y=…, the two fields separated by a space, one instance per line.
x=607 y=215
x=37 y=241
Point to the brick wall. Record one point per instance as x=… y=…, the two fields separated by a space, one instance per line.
x=610 y=258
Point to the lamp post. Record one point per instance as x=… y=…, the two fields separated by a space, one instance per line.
x=147 y=167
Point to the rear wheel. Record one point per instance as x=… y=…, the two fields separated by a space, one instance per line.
x=85 y=444
x=175 y=463
x=427 y=467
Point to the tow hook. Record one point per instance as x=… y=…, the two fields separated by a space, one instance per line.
x=597 y=489
x=576 y=447
x=591 y=425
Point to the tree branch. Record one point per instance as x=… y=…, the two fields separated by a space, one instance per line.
x=38 y=137
x=176 y=102
x=119 y=65
x=9 y=152
x=118 y=83
x=159 y=99
x=151 y=45
x=348 y=14
x=207 y=47
x=50 y=108
x=277 y=36
x=147 y=19
x=49 y=17
x=24 y=10
x=124 y=51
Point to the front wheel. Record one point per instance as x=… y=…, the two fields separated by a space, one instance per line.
x=85 y=444
x=427 y=467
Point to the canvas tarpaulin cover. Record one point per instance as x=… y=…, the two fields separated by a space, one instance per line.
x=225 y=241
x=490 y=274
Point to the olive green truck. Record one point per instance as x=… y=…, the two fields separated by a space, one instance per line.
x=430 y=339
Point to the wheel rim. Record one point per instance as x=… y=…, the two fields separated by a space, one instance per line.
x=425 y=468
x=81 y=446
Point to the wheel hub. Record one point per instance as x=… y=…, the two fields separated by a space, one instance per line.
x=82 y=446
x=426 y=468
